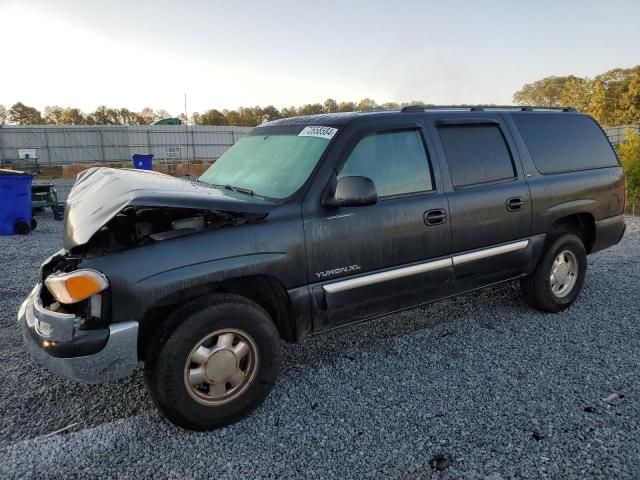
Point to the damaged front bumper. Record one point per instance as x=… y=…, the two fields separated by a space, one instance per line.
x=57 y=343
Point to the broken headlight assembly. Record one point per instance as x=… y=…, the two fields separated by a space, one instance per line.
x=76 y=286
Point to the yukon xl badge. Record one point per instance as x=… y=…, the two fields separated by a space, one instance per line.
x=337 y=271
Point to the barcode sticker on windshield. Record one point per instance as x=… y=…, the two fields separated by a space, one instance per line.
x=322 y=132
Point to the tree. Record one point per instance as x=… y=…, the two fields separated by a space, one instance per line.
x=210 y=117
x=53 y=115
x=288 y=112
x=346 y=107
x=126 y=117
x=330 y=105
x=4 y=115
x=629 y=105
x=311 y=109
x=600 y=104
x=270 y=113
x=613 y=97
x=390 y=105
x=73 y=116
x=22 y=114
x=149 y=115
x=137 y=118
x=576 y=93
x=545 y=92
x=413 y=102
x=162 y=113
x=244 y=117
x=102 y=116
x=366 y=104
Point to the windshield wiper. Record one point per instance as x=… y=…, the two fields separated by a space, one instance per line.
x=233 y=188
x=239 y=189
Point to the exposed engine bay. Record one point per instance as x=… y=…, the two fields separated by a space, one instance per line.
x=138 y=226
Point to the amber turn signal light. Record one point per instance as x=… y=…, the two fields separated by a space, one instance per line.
x=76 y=286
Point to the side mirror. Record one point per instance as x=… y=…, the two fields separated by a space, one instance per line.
x=352 y=192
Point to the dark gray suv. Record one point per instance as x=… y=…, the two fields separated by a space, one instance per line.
x=311 y=223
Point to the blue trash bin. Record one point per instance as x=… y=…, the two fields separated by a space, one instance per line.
x=142 y=162
x=15 y=202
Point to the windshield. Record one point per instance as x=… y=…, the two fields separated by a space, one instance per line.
x=268 y=164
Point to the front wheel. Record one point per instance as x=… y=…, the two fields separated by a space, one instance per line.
x=557 y=280
x=213 y=362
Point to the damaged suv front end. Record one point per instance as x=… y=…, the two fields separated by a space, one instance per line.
x=68 y=321
x=215 y=268
x=75 y=339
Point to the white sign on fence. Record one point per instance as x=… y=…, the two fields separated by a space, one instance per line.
x=173 y=152
x=27 y=153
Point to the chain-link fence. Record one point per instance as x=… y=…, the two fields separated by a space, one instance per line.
x=633 y=207
x=617 y=134
x=59 y=145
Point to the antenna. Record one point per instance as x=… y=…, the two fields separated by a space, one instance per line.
x=186 y=115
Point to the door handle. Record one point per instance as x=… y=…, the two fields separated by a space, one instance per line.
x=437 y=216
x=515 y=204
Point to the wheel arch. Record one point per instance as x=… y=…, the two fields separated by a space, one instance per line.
x=265 y=290
x=581 y=224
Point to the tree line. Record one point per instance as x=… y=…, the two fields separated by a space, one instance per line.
x=21 y=114
x=612 y=98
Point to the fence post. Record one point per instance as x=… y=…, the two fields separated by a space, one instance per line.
x=101 y=144
x=46 y=142
x=193 y=145
x=66 y=146
x=1 y=146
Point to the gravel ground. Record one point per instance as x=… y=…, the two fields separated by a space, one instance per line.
x=481 y=386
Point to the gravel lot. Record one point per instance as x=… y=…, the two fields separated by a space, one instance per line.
x=482 y=385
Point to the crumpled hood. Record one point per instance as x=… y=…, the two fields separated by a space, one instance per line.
x=100 y=193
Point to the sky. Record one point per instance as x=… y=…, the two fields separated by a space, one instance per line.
x=227 y=54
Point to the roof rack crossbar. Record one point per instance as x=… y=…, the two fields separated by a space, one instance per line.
x=481 y=108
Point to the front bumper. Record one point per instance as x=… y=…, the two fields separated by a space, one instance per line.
x=88 y=356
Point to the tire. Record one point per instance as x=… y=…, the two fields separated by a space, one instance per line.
x=22 y=228
x=232 y=385
x=558 y=294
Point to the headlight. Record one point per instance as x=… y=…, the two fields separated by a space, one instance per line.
x=76 y=286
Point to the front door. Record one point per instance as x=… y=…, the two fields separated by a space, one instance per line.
x=370 y=260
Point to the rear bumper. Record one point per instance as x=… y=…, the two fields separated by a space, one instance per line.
x=87 y=356
x=608 y=232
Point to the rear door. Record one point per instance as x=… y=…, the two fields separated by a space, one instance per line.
x=370 y=260
x=489 y=200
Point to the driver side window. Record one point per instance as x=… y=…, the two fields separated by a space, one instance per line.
x=396 y=162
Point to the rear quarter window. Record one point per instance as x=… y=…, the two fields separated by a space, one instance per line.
x=565 y=142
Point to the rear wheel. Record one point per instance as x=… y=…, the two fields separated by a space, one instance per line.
x=557 y=280
x=213 y=362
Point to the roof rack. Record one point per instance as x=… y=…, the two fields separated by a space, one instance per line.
x=481 y=108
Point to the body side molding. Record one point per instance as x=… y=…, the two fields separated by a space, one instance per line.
x=432 y=265
x=489 y=252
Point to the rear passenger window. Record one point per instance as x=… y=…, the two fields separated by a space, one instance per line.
x=476 y=154
x=395 y=161
x=563 y=142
